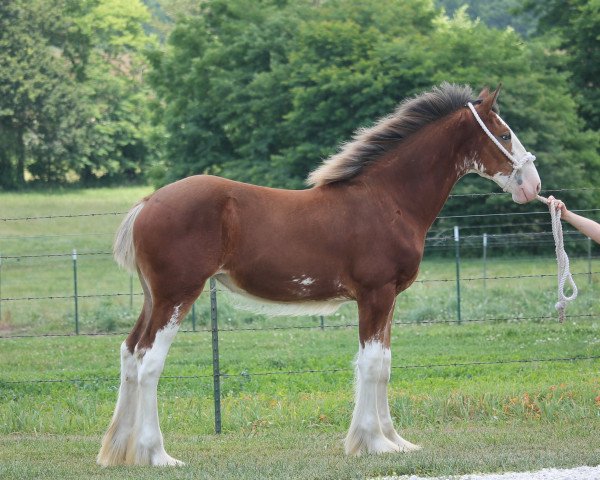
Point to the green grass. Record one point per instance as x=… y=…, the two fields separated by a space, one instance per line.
x=323 y=401
x=493 y=417
x=470 y=418
x=285 y=454
x=53 y=276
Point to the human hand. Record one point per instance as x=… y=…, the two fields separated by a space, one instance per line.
x=559 y=205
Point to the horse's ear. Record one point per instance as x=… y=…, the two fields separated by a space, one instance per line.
x=483 y=94
x=489 y=99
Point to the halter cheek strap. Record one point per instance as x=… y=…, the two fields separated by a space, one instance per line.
x=518 y=163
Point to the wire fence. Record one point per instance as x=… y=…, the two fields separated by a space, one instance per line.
x=248 y=375
x=438 y=238
x=430 y=241
x=430 y=280
x=482 y=242
x=440 y=217
x=323 y=326
x=460 y=195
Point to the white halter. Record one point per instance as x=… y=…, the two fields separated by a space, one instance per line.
x=518 y=163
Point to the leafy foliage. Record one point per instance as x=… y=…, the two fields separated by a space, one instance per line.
x=576 y=24
x=262 y=92
x=38 y=97
x=494 y=13
x=72 y=101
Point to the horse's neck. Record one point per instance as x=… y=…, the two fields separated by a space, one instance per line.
x=419 y=175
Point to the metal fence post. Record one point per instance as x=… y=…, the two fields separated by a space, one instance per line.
x=75 y=292
x=589 y=252
x=485 y=242
x=215 y=350
x=457 y=243
x=0 y=287
x=194 y=316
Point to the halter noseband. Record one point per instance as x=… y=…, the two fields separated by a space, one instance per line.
x=518 y=163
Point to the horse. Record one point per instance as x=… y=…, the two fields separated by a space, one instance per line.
x=357 y=234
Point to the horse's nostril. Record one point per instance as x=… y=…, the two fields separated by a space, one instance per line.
x=538 y=188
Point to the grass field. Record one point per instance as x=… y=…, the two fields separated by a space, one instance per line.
x=486 y=417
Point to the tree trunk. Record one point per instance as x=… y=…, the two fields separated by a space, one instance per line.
x=7 y=156
x=20 y=171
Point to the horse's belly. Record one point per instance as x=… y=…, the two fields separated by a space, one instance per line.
x=294 y=301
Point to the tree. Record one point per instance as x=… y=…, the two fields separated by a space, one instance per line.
x=72 y=98
x=120 y=137
x=494 y=13
x=234 y=86
x=262 y=92
x=577 y=23
x=345 y=71
x=221 y=88
x=38 y=97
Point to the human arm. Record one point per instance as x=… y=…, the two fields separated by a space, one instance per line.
x=586 y=226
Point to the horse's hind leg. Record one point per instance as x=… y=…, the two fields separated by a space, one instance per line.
x=146 y=445
x=115 y=441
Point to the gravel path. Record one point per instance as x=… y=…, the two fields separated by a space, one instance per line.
x=579 y=473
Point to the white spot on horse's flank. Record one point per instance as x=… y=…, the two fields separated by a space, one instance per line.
x=303 y=280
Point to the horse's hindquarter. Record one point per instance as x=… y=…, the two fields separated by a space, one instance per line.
x=179 y=236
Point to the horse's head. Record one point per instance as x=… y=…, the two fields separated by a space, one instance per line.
x=501 y=156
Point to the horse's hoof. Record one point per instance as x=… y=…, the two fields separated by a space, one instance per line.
x=165 y=460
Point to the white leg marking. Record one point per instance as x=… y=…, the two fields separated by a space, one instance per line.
x=365 y=434
x=114 y=444
x=383 y=408
x=146 y=446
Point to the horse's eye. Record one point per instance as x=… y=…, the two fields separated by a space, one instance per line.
x=505 y=137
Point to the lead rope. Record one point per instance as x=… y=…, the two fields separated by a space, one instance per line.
x=562 y=260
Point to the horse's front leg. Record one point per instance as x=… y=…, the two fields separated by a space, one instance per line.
x=366 y=432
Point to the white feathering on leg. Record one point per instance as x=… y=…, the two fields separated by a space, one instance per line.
x=365 y=434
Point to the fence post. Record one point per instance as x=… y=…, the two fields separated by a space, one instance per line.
x=0 y=287
x=485 y=242
x=215 y=350
x=589 y=252
x=322 y=322
x=194 y=316
x=75 y=292
x=457 y=243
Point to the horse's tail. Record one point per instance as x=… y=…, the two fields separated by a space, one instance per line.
x=123 y=248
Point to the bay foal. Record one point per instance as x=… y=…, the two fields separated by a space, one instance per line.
x=358 y=234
